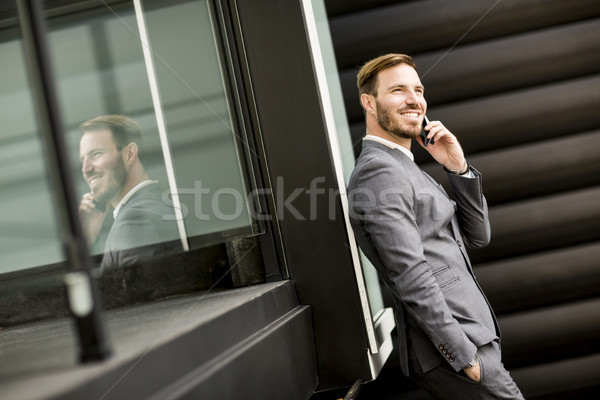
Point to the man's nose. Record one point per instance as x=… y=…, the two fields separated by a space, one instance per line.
x=415 y=99
x=412 y=98
x=86 y=167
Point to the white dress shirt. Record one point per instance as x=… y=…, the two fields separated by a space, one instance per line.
x=403 y=149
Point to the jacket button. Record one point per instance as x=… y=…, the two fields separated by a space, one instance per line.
x=459 y=243
x=441 y=346
x=451 y=359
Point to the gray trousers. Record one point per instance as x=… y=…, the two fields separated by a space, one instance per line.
x=444 y=383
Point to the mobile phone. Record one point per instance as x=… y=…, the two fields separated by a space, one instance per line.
x=424 y=132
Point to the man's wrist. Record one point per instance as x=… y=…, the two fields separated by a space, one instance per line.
x=473 y=362
x=462 y=171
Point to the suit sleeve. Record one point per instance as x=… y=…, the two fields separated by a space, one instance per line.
x=472 y=210
x=384 y=205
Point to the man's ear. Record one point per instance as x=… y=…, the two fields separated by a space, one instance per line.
x=368 y=102
x=131 y=153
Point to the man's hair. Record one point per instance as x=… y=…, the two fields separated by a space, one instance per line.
x=366 y=80
x=124 y=130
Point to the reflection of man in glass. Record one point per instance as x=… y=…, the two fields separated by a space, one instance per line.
x=110 y=151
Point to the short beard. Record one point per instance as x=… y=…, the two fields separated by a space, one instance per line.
x=385 y=118
x=117 y=179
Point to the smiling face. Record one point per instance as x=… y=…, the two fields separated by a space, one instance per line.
x=103 y=167
x=400 y=105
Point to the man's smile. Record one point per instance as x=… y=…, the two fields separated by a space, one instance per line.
x=94 y=179
x=410 y=114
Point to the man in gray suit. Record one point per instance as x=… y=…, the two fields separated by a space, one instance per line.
x=143 y=225
x=415 y=235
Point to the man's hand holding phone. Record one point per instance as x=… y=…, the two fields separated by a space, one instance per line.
x=92 y=216
x=442 y=145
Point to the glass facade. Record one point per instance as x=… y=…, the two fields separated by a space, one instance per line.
x=176 y=92
x=158 y=152
x=29 y=233
x=206 y=144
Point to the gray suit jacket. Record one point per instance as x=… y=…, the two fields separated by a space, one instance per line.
x=415 y=236
x=145 y=227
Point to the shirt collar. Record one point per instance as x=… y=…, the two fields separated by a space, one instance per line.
x=390 y=144
x=126 y=198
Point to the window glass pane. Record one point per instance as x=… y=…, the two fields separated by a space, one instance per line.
x=176 y=202
x=31 y=254
x=29 y=233
x=199 y=119
x=101 y=75
x=101 y=80
x=191 y=145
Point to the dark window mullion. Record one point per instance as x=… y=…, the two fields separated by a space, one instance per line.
x=80 y=285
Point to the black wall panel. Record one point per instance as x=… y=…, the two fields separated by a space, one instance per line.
x=518 y=82
x=297 y=152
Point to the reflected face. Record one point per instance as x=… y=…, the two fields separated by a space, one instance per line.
x=400 y=103
x=103 y=167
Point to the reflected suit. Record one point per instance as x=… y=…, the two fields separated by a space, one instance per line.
x=144 y=227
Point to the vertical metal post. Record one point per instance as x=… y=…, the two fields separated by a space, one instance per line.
x=81 y=292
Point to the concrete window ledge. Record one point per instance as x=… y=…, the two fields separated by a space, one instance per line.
x=253 y=342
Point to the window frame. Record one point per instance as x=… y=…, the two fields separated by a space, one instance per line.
x=248 y=148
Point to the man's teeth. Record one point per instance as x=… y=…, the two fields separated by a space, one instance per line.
x=94 y=179
x=410 y=114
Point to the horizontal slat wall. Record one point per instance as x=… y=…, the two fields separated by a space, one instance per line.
x=537 y=169
x=542 y=279
x=551 y=334
x=514 y=62
x=542 y=224
x=426 y=25
x=518 y=81
x=568 y=379
x=340 y=7
x=522 y=116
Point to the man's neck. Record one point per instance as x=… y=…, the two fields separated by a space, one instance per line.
x=132 y=192
x=132 y=182
x=378 y=131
